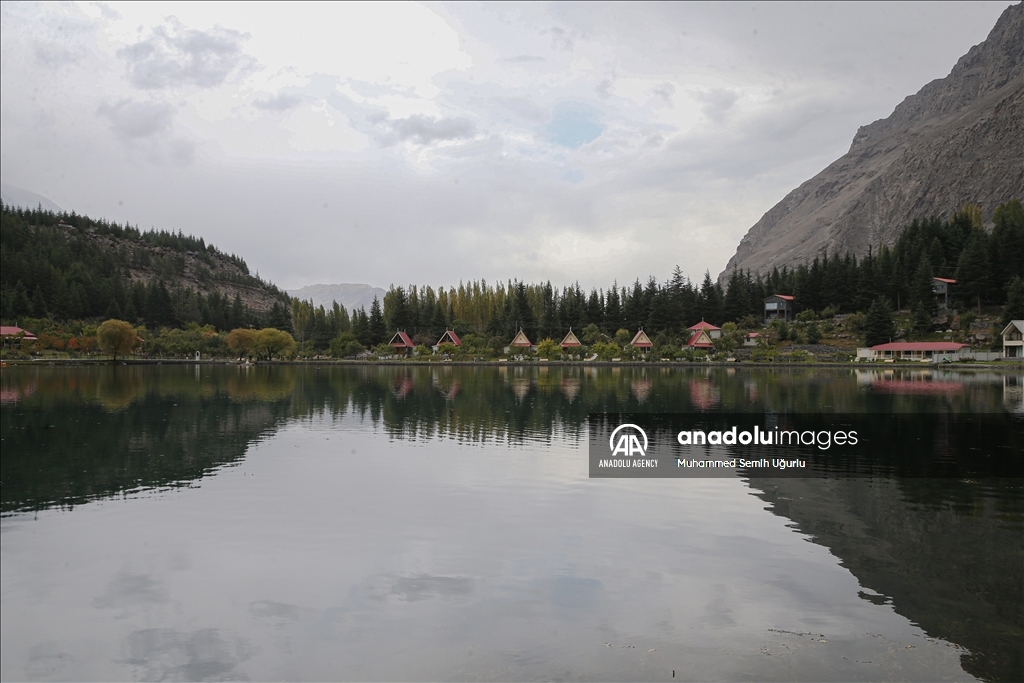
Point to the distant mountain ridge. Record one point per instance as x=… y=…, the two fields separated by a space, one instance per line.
x=347 y=295
x=959 y=139
x=16 y=196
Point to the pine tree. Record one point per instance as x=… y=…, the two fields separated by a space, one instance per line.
x=880 y=327
x=377 y=330
x=972 y=271
x=1014 y=308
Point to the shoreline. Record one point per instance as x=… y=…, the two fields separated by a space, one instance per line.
x=73 y=362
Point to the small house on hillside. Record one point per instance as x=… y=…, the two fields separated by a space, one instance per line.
x=750 y=339
x=942 y=288
x=1013 y=340
x=641 y=341
x=402 y=344
x=449 y=337
x=570 y=342
x=779 y=307
x=712 y=331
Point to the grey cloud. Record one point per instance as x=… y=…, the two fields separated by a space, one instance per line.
x=522 y=59
x=133 y=120
x=560 y=39
x=421 y=129
x=664 y=92
x=279 y=102
x=717 y=102
x=176 y=55
x=51 y=55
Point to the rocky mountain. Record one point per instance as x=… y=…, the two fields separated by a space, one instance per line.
x=349 y=296
x=958 y=139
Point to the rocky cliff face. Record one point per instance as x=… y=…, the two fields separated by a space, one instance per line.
x=959 y=139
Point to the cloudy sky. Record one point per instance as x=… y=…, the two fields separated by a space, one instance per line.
x=428 y=143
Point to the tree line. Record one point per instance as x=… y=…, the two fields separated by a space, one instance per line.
x=986 y=265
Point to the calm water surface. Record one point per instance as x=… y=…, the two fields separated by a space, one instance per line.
x=387 y=523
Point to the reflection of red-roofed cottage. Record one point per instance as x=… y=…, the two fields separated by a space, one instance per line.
x=449 y=337
x=641 y=341
x=16 y=333
x=703 y=395
x=779 y=307
x=402 y=344
x=942 y=287
x=570 y=341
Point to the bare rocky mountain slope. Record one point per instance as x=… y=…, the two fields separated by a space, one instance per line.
x=959 y=139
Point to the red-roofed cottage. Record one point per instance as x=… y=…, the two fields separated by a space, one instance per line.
x=780 y=307
x=449 y=337
x=402 y=344
x=570 y=341
x=641 y=341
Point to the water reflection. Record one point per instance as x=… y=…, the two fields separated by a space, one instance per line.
x=352 y=555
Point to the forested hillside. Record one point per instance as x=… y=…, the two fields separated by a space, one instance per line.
x=70 y=267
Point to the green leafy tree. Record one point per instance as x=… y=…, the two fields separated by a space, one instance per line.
x=117 y=338
x=242 y=341
x=344 y=345
x=272 y=343
x=879 y=326
x=549 y=348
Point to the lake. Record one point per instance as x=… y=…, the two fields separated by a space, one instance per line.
x=211 y=522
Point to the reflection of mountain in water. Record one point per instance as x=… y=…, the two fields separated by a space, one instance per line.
x=948 y=555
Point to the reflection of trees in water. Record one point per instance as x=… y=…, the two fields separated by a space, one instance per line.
x=96 y=430
x=948 y=555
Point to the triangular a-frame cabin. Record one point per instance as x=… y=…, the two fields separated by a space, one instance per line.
x=641 y=340
x=570 y=341
x=449 y=337
x=402 y=343
x=520 y=341
x=713 y=332
x=701 y=340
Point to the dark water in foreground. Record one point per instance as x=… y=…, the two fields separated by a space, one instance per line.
x=386 y=523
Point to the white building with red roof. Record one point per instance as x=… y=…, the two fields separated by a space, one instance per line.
x=919 y=351
x=15 y=332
